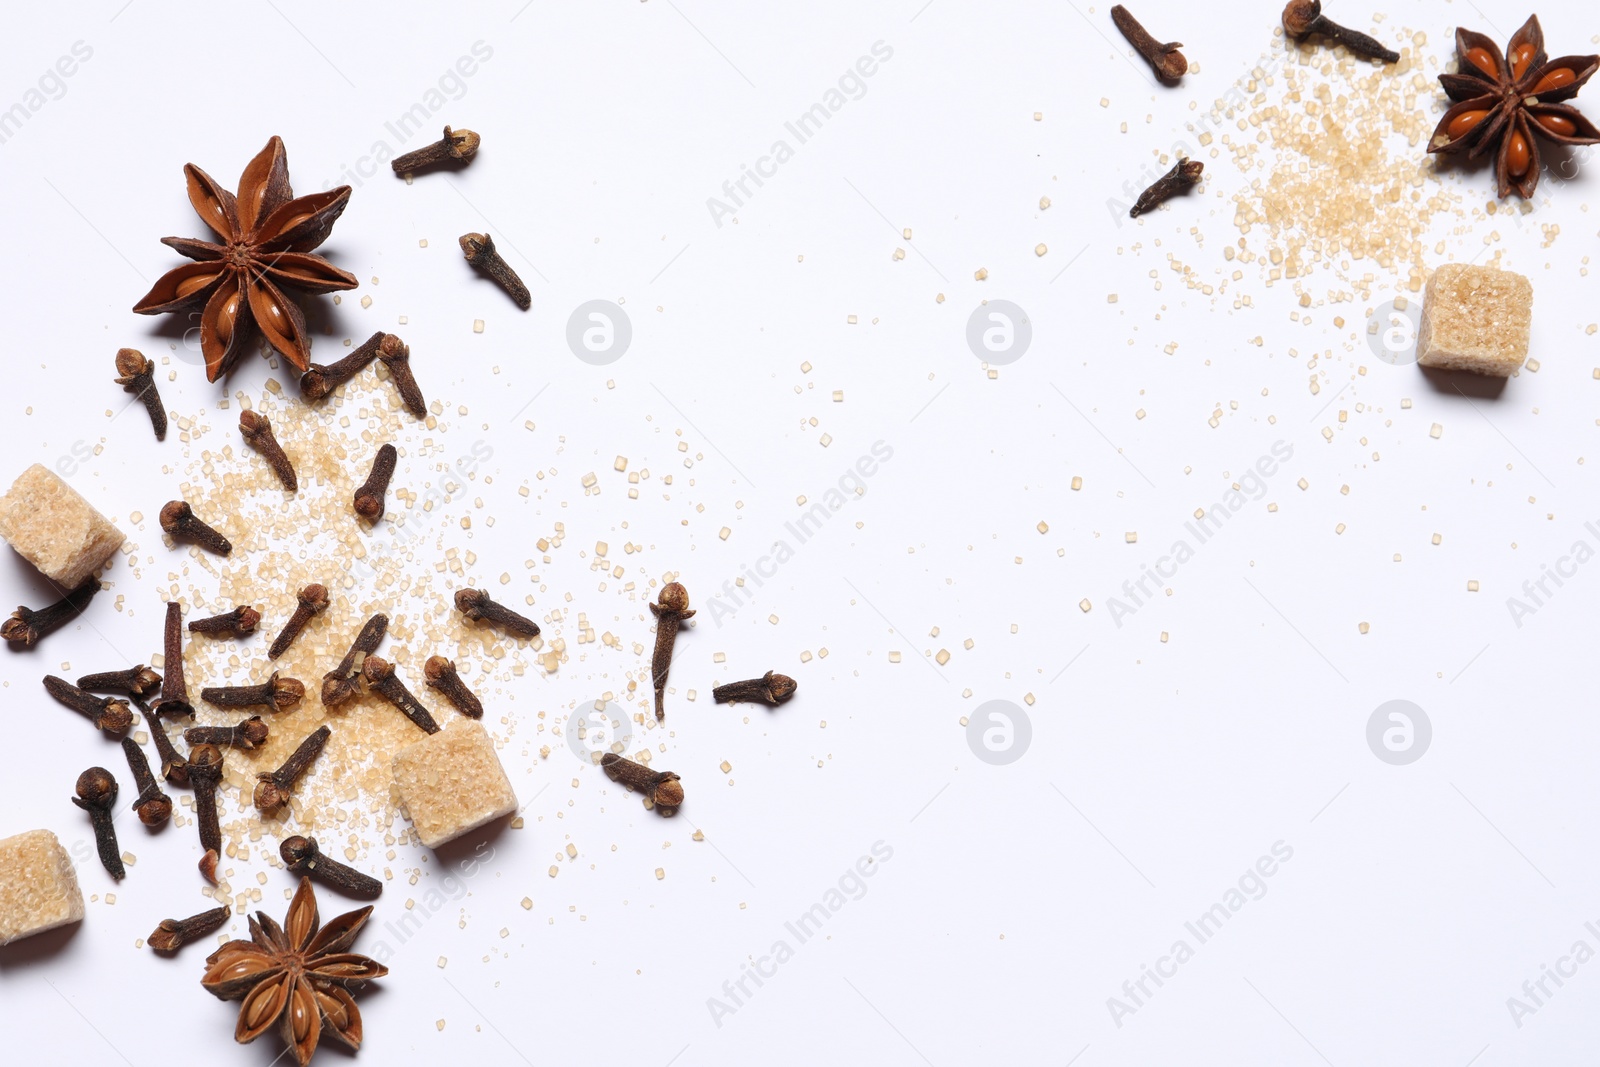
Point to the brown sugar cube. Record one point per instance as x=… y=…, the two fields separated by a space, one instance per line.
x=451 y=782
x=1475 y=319
x=38 y=887
x=55 y=529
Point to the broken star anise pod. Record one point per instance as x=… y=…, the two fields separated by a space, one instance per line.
x=266 y=240
x=295 y=975
x=1504 y=101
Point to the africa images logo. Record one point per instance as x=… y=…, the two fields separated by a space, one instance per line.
x=999 y=332
x=999 y=732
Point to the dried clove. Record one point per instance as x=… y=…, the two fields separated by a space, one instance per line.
x=479 y=250
x=97 y=792
x=441 y=675
x=174 y=767
x=174 y=691
x=302 y=856
x=458 y=146
x=275 y=694
x=26 y=626
x=1184 y=173
x=671 y=609
x=250 y=734
x=396 y=355
x=318 y=380
x=152 y=805
x=107 y=713
x=339 y=684
x=258 y=435
x=1165 y=59
x=1304 y=17
x=477 y=606
x=173 y=934
x=205 y=771
x=274 y=788
x=380 y=675
x=138 y=681
x=313 y=601
x=368 y=499
x=137 y=376
x=236 y=623
x=770 y=689
x=661 y=789
x=181 y=524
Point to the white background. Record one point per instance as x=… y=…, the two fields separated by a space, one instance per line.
x=1018 y=898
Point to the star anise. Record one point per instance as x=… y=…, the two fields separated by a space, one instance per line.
x=295 y=975
x=266 y=240
x=1502 y=102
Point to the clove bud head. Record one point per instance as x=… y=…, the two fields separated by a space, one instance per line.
x=297 y=850
x=268 y=798
x=1300 y=16
x=155 y=811
x=115 y=718
x=287 y=692
x=474 y=245
x=462 y=144
x=131 y=363
x=337 y=689
x=166 y=937
x=369 y=505
x=376 y=670
x=315 y=383
x=669 y=794
x=241 y=621
x=674 y=597
x=438 y=667
x=252 y=424
x=780 y=686
x=315 y=597
x=174 y=513
x=96 y=788
x=205 y=762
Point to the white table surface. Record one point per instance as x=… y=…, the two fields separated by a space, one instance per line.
x=1011 y=901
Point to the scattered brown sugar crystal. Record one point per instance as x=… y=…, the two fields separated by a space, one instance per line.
x=1475 y=319
x=55 y=529
x=451 y=782
x=38 y=887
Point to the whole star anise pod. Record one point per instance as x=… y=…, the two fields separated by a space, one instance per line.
x=295 y=975
x=266 y=240
x=1503 y=101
